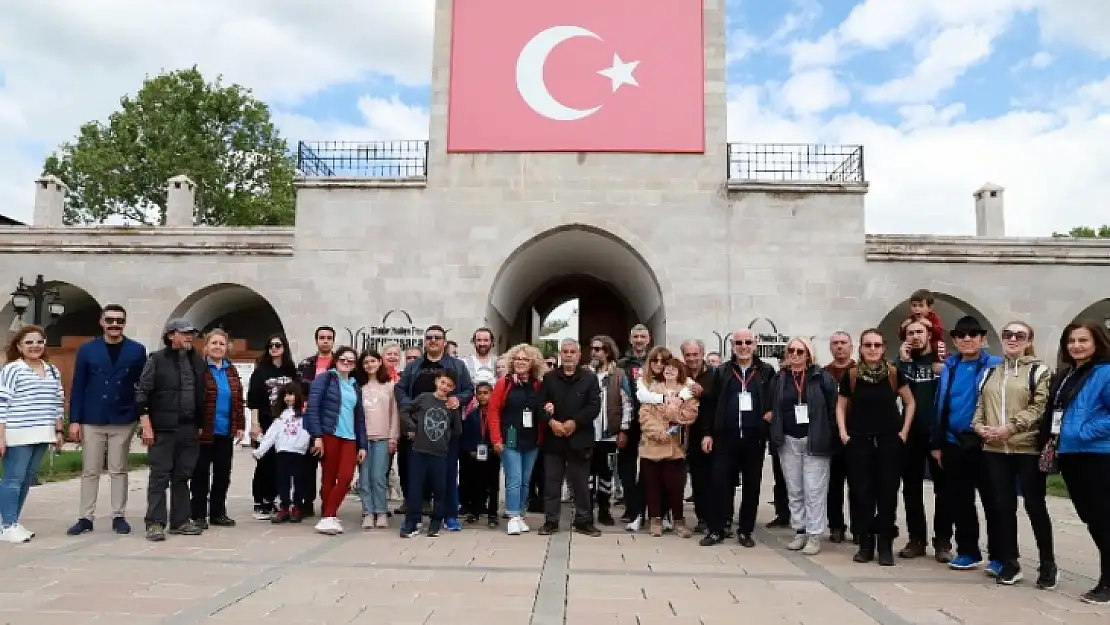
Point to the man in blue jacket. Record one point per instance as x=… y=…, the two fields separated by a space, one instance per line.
x=957 y=448
x=102 y=414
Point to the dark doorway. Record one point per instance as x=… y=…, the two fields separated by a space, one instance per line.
x=601 y=310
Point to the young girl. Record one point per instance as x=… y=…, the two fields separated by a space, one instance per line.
x=663 y=447
x=289 y=437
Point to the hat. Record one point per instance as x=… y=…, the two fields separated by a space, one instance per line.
x=178 y=325
x=485 y=376
x=968 y=325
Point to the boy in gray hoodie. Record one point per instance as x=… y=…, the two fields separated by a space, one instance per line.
x=431 y=426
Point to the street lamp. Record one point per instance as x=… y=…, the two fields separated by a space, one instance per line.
x=39 y=296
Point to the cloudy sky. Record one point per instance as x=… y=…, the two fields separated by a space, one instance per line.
x=945 y=94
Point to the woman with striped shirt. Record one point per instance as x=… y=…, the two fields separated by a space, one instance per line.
x=30 y=421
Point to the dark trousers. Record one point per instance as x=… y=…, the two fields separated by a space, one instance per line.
x=700 y=465
x=264 y=484
x=171 y=458
x=573 y=465
x=664 y=482
x=1086 y=478
x=425 y=470
x=965 y=476
x=915 y=455
x=313 y=470
x=735 y=456
x=211 y=478
x=480 y=484
x=291 y=481
x=838 y=478
x=1006 y=472
x=875 y=470
x=404 y=449
x=628 y=463
x=782 y=502
x=534 y=499
x=601 y=474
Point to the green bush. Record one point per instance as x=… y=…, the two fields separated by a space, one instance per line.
x=67 y=465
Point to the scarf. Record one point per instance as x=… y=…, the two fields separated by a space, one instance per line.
x=874 y=373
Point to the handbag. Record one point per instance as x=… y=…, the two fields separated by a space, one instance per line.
x=1049 y=461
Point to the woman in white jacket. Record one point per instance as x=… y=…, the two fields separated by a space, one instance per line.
x=291 y=440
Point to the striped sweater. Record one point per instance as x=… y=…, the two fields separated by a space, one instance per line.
x=29 y=405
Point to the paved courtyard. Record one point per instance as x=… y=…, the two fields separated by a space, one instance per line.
x=261 y=573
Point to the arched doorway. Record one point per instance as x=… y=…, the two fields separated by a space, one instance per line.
x=613 y=284
x=1099 y=311
x=240 y=311
x=948 y=307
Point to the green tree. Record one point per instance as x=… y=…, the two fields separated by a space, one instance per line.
x=552 y=326
x=220 y=136
x=1086 y=232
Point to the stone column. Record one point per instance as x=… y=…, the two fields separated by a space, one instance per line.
x=50 y=198
x=990 y=211
x=181 y=200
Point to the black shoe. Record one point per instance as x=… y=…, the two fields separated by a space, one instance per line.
x=493 y=523
x=433 y=528
x=712 y=538
x=837 y=536
x=587 y=529
x=778 y=522
x=689 y=499
x=548 y=529
x=605 y=518
x=1048 y=577
x=201 y=523
x=886 y=550
x=866 y=551
x=222 y=521
x=188 y=528
x=913 y=549
x=121 y=526
x=1099 y=595
x=82 y=526
x=701 y=527
x=471 y=518
x=156 y=532
x=401 y=509
x=1009 y=574
x=745 y=540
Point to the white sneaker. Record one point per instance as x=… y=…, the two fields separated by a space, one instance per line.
x=798 y=543
x=522 y=525
x=667 y=525
x=513 y=527
x=15 y=534
x=368 y=522
x=327 y=525
x=336 y=525
x=634 y=526
x=813 y=546
x=29 y=533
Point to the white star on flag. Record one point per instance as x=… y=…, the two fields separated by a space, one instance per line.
x=620 y=73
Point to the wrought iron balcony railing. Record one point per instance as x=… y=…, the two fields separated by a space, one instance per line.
x=795 y=162
x=363 y=159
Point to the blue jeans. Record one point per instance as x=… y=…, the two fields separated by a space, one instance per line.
x=425 y=469
x=21 y=466
x=518 y=473
x=373 y=478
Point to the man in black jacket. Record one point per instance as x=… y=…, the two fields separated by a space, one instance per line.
x=699 y=460
x=170 y=398
x=741 y=405
x=307 y=370
x=571 y=399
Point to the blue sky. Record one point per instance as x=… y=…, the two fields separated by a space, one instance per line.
x=945 y=95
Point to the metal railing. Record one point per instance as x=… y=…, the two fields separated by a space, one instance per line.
x=795 y=162
x=363 y=159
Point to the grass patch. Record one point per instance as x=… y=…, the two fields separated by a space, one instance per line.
x=67 y=465
x=1056 y=486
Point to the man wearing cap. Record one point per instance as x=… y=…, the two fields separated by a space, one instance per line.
x=170 y=397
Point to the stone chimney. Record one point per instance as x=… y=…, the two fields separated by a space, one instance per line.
x=50 y=198
x=990 y=211
x=181 y=200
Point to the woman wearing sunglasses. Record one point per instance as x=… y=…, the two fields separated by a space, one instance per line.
x=337 y=424
x=1008 y=418
x=272 y=371
x=803 y=426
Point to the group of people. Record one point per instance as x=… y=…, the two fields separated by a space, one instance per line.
x=876 y=421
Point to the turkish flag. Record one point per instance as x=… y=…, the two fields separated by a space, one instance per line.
x=577 y=76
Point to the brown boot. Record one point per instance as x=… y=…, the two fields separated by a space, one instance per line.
x=681 y=530
x=657 y=527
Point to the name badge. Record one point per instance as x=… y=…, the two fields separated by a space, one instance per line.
x=801 y=414
x=482 y=452
x=1057 y=420
x=526 y=418
x=746 y=402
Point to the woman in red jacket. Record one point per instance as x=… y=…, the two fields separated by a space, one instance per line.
x=513 y=417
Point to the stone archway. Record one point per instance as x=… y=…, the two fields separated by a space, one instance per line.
x=79 y=321
x=949 y=307
x=615 y=286
x=239 y=310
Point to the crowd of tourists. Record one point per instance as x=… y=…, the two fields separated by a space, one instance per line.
x=599 y=430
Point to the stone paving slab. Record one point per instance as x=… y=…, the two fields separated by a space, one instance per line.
x=261 y=573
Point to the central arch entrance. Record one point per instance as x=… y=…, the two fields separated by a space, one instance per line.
x=614 y=285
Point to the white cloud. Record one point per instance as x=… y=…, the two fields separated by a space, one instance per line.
x=942 y=61
x=383 y=120
x=822 y=52
x=1041 y=60
x=815 y=91
x=1080 y=23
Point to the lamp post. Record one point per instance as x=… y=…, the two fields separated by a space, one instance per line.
x=39 y=296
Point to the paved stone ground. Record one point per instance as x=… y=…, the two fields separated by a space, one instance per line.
x=260 y=573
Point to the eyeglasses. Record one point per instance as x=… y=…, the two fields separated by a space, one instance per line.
x=661 y=361
x=433 y=337
x=964 y=335
x=277 y=345
x=346 y=361
x=30 y=342
x=796 y=351
x=871 y=345
x=597 y=348
x=114 y=321
x=1010 y=335
x=743 y=342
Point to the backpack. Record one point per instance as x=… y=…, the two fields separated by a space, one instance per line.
x=891 y=376
x=1034 y=376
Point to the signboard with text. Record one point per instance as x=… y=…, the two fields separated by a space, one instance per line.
x=375 y=336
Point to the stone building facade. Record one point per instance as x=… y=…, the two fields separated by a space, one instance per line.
x=688 y=249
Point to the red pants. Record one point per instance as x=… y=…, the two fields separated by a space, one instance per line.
x=664 y=482
x=338 y=469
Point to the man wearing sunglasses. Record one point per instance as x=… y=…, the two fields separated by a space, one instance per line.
x=419 y=377
x=102 y=415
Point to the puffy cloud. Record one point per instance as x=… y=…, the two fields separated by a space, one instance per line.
x=814 y=91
